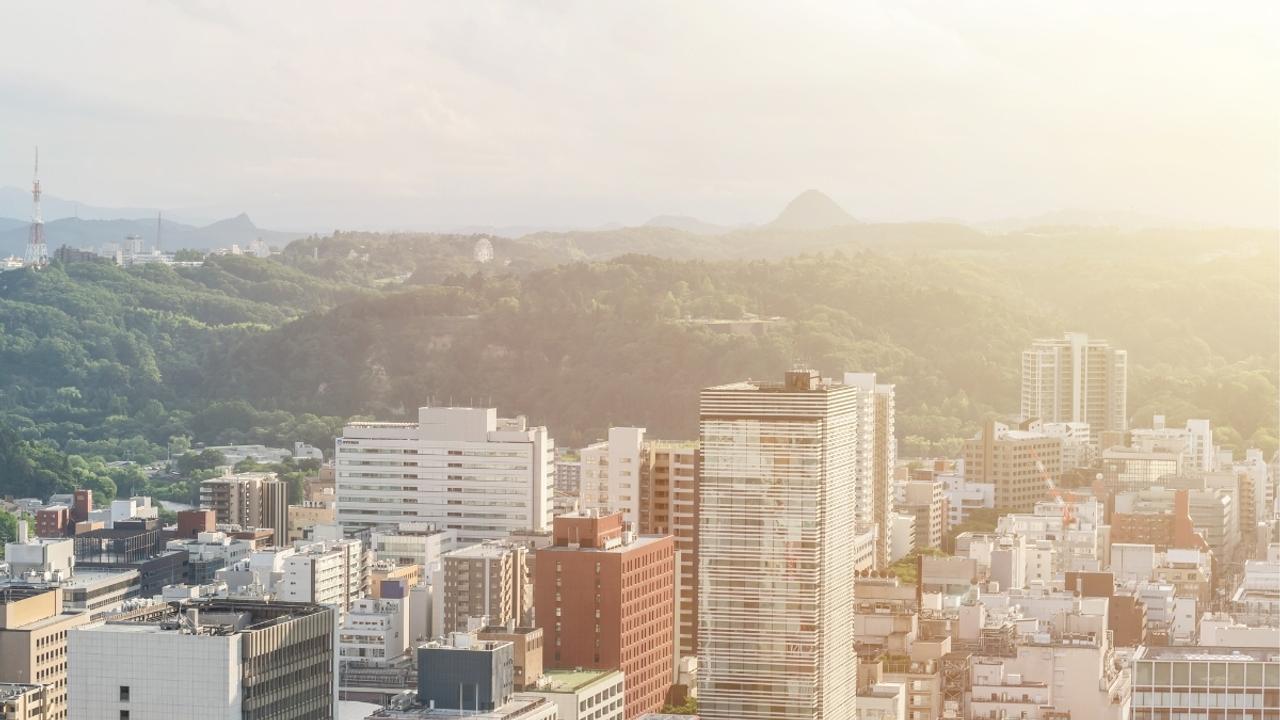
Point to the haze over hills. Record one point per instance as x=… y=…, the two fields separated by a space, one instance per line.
x=687 y=223
x=16 y=203
x=78 y=233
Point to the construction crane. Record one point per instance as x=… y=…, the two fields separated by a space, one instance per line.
x=1067 y=500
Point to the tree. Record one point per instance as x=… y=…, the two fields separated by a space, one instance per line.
x=207 y=459
x=905 y=568
x=8 y=530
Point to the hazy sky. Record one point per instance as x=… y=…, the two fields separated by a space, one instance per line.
x=315 y=115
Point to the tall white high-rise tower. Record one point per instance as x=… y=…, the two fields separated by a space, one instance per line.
x=776 y=558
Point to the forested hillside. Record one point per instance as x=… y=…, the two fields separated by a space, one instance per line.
x=586 y=345
x=111 y=363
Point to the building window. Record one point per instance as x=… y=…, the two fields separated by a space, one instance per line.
x=124 y=715
x=124 y=695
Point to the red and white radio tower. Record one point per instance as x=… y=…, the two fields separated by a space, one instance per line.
x=37 y=250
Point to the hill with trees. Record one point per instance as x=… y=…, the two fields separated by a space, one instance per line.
x=116 y=364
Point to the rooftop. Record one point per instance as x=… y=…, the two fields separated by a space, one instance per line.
x=216 y=617
x=1220 y=654
x=489 y=549
x=517 y=709
x=638 y=542
x=16 y=593
x=573 y=680
x=9 y=691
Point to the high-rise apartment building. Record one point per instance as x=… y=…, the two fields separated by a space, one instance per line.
x=605 y=601
x=1019 y=462
x=1075 y=379
x=877 y=458
x=669 y=506
x=33 y=642
x=488 y=580
x=250 y=500
x=241 y=659
x=462 y=469
x=777 y=489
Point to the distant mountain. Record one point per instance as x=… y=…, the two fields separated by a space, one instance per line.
x=82 y=233
x=688 y=224
x=812 y=210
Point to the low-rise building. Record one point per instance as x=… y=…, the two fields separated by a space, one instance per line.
x=22 y=701
x=307 y=514
x=585 y=694
x=218 y=659
x=374 y=631
x=1205 y=677
x=33 y=642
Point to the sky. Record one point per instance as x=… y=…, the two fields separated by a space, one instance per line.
x=319 y=115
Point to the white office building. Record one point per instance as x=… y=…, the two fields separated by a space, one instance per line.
x=1078 y=443
x=776 y=555
x=460 y=469
x=965 y=495
x=610 y=474
x=877 y=458
x=326 y=572
x=1194 y=442
x=584 y=694
x=374 y=631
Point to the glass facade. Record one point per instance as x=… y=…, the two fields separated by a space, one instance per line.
x=1215 y=687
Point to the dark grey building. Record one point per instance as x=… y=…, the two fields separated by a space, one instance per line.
x=466 y=674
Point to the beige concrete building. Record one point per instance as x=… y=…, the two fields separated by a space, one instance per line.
x=526 y=648
x=669 y=506
x=388 y=570
x=1019 y=462
x=309 y=514
x=33 y=642
x=487 y=580
x=250 y=500
x=22 y=702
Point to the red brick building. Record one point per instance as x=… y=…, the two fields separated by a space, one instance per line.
x=1163 y=530
x=195 y=521
x=53 y=521
x=82 y=507
x=605 y=600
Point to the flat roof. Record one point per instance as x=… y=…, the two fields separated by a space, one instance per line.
x=15 y=593
x=571 y=680
x=86 y=578
x=519 y=707
x=1202 y=653
x=639 y=541
x=494 y=549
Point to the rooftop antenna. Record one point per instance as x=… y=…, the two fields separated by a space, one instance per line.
x=37 y=250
